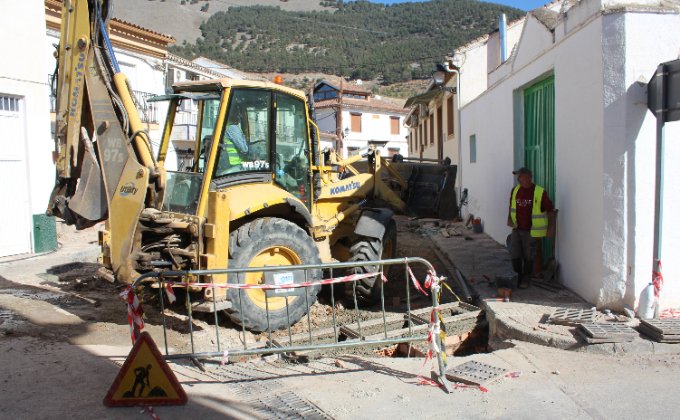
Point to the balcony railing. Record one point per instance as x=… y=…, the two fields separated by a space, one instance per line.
x=53 y=93
x=148 y=111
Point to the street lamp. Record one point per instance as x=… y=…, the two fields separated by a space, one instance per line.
x=439 y=77
x=438 y=74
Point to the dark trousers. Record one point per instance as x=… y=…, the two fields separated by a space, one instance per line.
x=522 y=253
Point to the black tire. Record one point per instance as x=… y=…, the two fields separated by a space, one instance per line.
x=371 y=249
x=285 y=243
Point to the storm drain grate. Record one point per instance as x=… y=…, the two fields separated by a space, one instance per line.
x=257 y=387
x=285 y=405
x=475 y=373
x=663 y=326
x=571 y=316
x=606 y=333
x=661 y=330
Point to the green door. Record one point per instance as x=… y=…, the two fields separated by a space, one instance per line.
x=539 y=141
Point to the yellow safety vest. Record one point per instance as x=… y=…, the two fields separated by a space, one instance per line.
x=232 y=152
x=539 y=219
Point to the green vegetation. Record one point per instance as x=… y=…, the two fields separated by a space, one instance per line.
x=359 y=39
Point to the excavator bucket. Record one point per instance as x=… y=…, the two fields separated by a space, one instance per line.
x=431 y=188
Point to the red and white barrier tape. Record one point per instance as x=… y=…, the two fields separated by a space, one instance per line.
x=435 y=332
x=135 y=312
x=657 y=280
x=670 y=313
x=151 y=412
x=415 y=281
x=170 y=293
x=335 y=280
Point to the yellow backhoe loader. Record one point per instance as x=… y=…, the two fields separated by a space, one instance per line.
x=258 y=191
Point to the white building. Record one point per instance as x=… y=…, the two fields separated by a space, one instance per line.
x=433 y=119
x=350 y=118
x=151 y=70
x=570 y=102
x=26 y=150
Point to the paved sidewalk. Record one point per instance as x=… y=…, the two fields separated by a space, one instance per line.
x=481 y=259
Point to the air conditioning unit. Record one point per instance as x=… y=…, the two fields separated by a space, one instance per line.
x=179 y=76
x=186 y=105
x=174 y=76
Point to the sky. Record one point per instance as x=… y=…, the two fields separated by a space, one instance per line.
x=520 y=4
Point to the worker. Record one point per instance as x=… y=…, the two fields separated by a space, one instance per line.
x=234 y=141
x=531 y=217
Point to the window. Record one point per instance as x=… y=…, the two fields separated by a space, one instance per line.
x=394 y=125
x=209 y=109
x=440 y=128
x=449 y=115
x=356 y=122
x=9 y=103
x=354 y=96
x=410 y=141
x=292 y=154
x=473 y=148
x=323 y=95
x=351 y=151
x=244 y=142
x=431 y=128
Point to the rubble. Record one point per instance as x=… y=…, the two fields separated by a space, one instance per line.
x=427 y=227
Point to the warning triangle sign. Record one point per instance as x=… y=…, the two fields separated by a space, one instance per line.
x=145 y=379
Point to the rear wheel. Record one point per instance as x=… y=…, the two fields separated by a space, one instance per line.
x=371 y=249
x=269 y=242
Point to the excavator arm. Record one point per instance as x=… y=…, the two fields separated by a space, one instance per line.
x=105 y=168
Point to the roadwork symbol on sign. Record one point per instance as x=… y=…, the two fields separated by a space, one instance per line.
x=145 y=379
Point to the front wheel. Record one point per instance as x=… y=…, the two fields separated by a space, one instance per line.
x=371 y=249
x=270 y=241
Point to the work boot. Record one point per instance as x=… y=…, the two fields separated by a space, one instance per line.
x=517 y=266
x=525 y=277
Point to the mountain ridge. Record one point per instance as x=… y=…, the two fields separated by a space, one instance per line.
x=360 y=40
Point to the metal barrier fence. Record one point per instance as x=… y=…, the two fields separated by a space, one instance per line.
x=422 y=326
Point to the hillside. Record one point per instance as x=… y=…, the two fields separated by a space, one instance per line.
x=358 y=39
x=182 y=19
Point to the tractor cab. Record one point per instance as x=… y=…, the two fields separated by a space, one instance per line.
x=233 y=134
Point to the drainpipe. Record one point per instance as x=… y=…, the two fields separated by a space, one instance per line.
x=503 y=30
x=456 y=72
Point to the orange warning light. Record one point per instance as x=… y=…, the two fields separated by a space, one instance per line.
x=278 y=79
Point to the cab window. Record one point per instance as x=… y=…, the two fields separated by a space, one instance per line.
x=245 y=138
x=292 y=153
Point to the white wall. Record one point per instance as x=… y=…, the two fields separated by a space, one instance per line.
x=662 y=32
x=22 y=73
x=578 y=87
x=604 y=150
